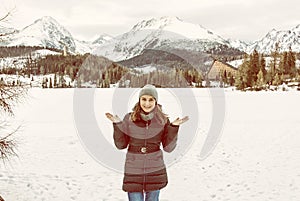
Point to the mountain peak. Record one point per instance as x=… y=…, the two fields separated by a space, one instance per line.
x=285 y=38
x=173 y=26
x=156 y=23
x=101 y=39
x=46 y=20
x=45 y=32
x=169 y=19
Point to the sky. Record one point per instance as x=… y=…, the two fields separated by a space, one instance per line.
x=235 y=19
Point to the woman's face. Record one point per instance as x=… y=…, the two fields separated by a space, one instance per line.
x=147 y=103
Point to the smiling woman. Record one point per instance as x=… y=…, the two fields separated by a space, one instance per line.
x=142 y=132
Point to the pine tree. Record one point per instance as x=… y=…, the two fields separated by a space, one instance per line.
x=277 y=80
x=244 y=76
x=291 y=62
x=274 y=63
x=223 y=76
x=50 y=83
x=260 y=79
x=262 y=65
x=231 y=79
x=283 y=65
x=254 y=66
x=239 y=81
x=55 y=81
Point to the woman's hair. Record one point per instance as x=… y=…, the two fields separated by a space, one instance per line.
x=158 y=113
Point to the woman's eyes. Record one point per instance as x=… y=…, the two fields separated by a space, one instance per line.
x=150 y=99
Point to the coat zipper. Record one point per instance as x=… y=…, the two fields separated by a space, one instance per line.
x=145 y=144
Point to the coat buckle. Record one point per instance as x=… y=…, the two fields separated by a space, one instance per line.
x=144 y=150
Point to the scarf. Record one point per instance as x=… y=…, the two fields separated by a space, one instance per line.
x=147 y=117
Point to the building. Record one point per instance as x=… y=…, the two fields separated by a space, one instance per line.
x=218 y=69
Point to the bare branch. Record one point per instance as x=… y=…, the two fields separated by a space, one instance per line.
x=5 y=19
x=8 y=146
x=5 y=16
x=10 y=95
x=7 y=34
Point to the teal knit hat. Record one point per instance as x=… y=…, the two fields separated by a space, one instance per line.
x=150 y=90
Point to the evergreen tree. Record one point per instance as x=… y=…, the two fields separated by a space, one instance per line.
x=283 y=64
x=231 y=79
x=260 y=79
x=244 y=77
x=224 y=78
x=262 y=65
x=274 y=63
x=277 y=80
x=291 y=62
x=254 y=66
x=50 y=83
x=55 y=81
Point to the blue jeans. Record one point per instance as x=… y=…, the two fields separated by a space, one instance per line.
x=139 y=196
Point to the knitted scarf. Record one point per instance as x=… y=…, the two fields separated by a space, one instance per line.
x=148 y=116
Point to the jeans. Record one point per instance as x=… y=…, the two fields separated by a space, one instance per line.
x=139 y=196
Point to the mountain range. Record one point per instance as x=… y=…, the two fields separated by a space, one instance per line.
x=165 y=33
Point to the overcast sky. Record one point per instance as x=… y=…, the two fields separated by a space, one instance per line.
x=237 y=19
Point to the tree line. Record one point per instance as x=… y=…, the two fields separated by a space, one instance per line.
x=15 y=51
x=100 y=72
x=255 y=74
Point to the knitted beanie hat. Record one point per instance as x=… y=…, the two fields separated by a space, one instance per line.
x=149 y=90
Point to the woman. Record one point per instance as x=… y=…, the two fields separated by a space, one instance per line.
x=142 y=132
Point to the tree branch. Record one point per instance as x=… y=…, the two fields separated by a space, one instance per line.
x=5 y=18
x=8 y=146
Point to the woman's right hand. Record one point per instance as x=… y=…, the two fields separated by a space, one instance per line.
x=113 y=118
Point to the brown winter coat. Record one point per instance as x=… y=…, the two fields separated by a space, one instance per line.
x=145 y=169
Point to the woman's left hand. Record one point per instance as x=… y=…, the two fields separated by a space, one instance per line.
x=179 y=121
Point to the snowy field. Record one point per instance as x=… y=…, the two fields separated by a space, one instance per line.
x=256 y=159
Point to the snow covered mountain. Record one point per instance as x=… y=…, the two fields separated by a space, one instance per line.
x=165 y=33
x=286 y=39
x=45 y=32
x=238 y=44
x=103 y=38
x=87 y=46
x=160 y=33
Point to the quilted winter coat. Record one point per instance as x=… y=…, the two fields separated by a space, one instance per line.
x=144 y=169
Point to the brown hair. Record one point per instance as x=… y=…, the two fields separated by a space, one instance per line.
x=158 y=113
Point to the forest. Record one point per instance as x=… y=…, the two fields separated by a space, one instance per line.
x=255 y=73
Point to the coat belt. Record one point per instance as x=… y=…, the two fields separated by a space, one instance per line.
x=143 y=149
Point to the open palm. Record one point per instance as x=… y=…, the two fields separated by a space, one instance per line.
x=113 y=118
x=179 y=121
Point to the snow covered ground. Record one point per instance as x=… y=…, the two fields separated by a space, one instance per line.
x=256 y=159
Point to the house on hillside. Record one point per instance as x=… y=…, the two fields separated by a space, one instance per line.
x=222 y=72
